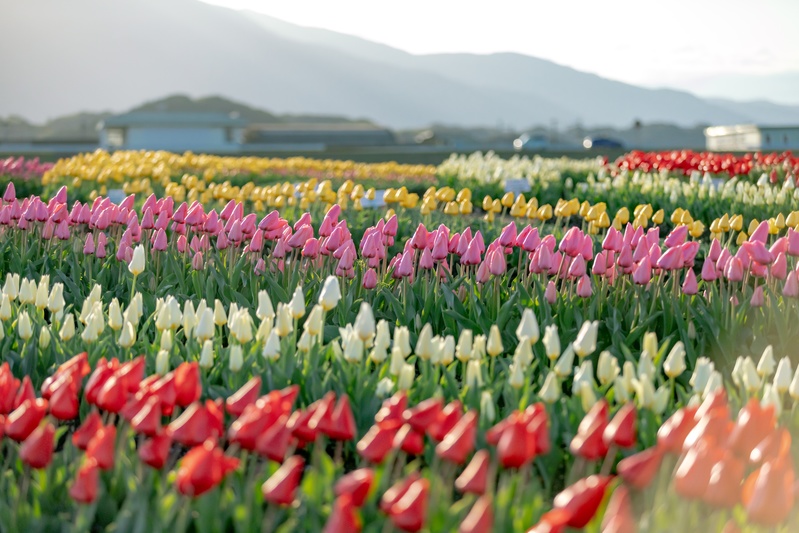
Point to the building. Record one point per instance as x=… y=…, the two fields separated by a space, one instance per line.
x=751 y=138
x=176 y=132
x=316 y=136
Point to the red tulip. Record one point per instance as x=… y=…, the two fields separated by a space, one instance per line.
x=410 y=511
x=356 y=485
x=8 y=389
x=581 y=500
x=390 y=413
x=474 y=477
x=538 y=427
x=64 y=401
x=197 y=424
x=84 y=488
x=589 y=443
x=343 y=518
x=102 y=446
x=408 y=440
x=281 y=487
x=102 y=372
x=25 y=418
x=113 y=395
x=86 y=431
x=243 y=397
x=673 y=432
x=376 y=443
x=724 y=486
x=25 y=392
x=553 y=521
x=480 y=519
x=754 y=424
x=154 y=452
x=36 y=451
x=343 y=421
x=148 y=420
x=768 y=493
x=777 y=443
x=619 y=516
x=397 y=491
x=445 y=420
x=321 y=420
x=515 y=447
x=274 y=442
x=299 y=423
x=639 y=469
x=621 y=429
x=77 y=366
x=131 y=374
x=187 y=383
x=693 y=472
x=253 y=422
x=165 y=389
x=203 y=468
x=459 y=442
x=493 y=434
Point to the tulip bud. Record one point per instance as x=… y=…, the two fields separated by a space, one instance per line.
x=661 y=401
x=27 y=291
x=713 y=384
x=114 y=315
x=11 y=287
x=771 y=397
x=765 y=367
x=750 y=376
x=24 y=327
x=330 y=294
x=516 y=378
x=607 y=368
x=204 y=329
x=424 y=344
x=264 y=329
x=67 y=328
x=650 y=344
x=488 y=410
x=220 y=317
x=494 y=345
x=5 y=307
x=644 y=392
x=583 y=374
x=297 y=304
x=646 y=368
x=587 y=396
x=382 y=335
x=271 y=350
x=620 y=391
x=314 y=323
x=162 y=362
x=402 y=340
x=44 y=338
x=406 y=377
x=306 y=342
x=674 y=365
x=265 y=309
x=127 y=336
x=241 y=326
x=189 y=319
x=365 y=322
x=782 y=378
x=528 y=327
x=479 y=347
x=397 y=361
x=55 y=302
x=550 y=392
x=384 y=388
x=207 y=355
x=565 y=364
x=353 y=350
x=166 y=340
x=474 y=375
x=447 y=350
x=585 y=343
x=379 y=353
x=236 y=358
x=42 y=293
x=136 y=265
x=704 y=367
x=551 y=342
x=284 y=323
x=463 y=350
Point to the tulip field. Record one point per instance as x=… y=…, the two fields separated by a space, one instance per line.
x=201 y=343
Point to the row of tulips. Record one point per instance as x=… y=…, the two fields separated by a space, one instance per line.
x=147 y=452
x=19 y=168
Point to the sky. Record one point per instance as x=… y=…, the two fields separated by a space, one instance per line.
x=680 y=43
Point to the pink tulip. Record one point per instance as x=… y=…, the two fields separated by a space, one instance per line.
x=577 y=268
x=454 y=242
x=148 y=219
x=584 y=289
x=690 y=286
x=545 y=259
x=48 y=230
x=760 y=234
x=347 y=258
x=100 y=248
x=271 y=221
x=482 y=273
x=556 y=265
x=426 y=261
x=626 y=257
x=587 y=249
x=793 y=243
x=391 y=226
x=531 y=241
x=211 y=224
x=551 y=293
x=195 y=216
x=600 y=264
x=758 y=252
x=689 y=251
x=791 y=287
x=370 y=279
x=440 y=247
x=472 y=255
x=222 y=242
x=182 y=244
x=642 y=274
x=311 y=248
x=653 y=236
x=260 y=266
x=671 y=259
x=758 y=299
x=572 y=242
x=257 y=241
x=496 y=263
x=520 y=236
x=160 y=241
x=637 y=235
x=613 y=240
x=88 y=246
x=641 y=252
x=779 y=246
x=779 y=269
x=677 y=236
x=11 y=194
x=508 y=236
x=197 y=261
x=419 y=239
x=654 y=254
x=721 y=262
x=301 y=236
x=235 y=235
x=734 y=270
x=404 y=267
x=715 y=250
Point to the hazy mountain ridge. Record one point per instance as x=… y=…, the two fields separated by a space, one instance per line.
x=114 y=55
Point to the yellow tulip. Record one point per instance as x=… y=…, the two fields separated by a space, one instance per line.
x=742 y=236
x=753 y=226
x=623 y=215
x=737 y=222
x=508 y=199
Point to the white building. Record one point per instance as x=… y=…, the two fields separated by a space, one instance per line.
x=176 y=132
x=750 y=138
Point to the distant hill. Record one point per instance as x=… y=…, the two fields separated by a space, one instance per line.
x=95 y=54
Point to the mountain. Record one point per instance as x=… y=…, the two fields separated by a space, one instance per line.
x=95 y=54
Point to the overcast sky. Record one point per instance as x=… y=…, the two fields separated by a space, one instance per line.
x=674 y=43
